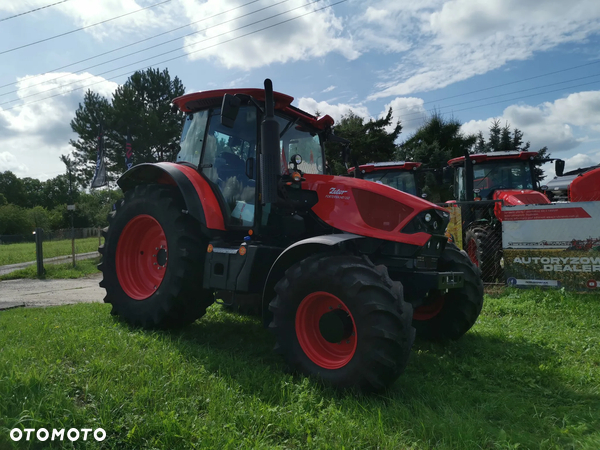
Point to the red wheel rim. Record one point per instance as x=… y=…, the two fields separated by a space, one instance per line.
x=141 y=257
x=431 y=310
x=472 y=251
x=309 y=319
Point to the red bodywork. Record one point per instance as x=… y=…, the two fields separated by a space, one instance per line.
x=393 y=165
x=283 y=103
x=482 y=157
x=210 y=205
x=515 y=197
x=366 y=208
x=586 y=187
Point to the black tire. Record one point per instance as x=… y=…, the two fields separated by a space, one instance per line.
x=484 y=248
x=381 y=320
x=461 y=307
x=179 y=299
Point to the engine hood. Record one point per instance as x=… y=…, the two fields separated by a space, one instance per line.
x=515 y=197
x=369 y=209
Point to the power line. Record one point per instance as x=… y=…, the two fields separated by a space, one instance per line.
x=140 y=51
x=164 y=53
x=511 y=82
x=508 y=100
x=33 y=10
x=124 y=46
x=181 y=56
x=82 y=28
x=506 y=93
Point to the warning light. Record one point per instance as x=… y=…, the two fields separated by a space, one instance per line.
x=250 y=232
x=210 y=248
x=242 y=250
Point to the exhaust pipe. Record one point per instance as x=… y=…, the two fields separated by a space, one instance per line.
x=269 y=155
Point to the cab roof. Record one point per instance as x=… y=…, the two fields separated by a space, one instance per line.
x=483 y=157
x=206 y=99
x=390 y=165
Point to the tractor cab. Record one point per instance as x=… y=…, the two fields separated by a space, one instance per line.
x=400 y=175
x=493 y=172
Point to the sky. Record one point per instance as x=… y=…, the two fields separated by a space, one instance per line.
x=534 y=65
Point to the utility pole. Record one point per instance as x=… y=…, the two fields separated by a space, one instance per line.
x=71 y=205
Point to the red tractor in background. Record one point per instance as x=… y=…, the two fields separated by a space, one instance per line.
x=580 y=185
x=345 y=271
x=483 y=183
x=400 y=175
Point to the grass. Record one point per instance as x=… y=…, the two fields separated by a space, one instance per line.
x=55 y=271
x=527 y=376
x=25 y=252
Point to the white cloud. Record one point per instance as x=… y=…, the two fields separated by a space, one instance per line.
x=410 y=112
x=329 y=89
x=34 y=135
x=458 y=39
x=86 y=13
x=311 y=36
x=8 y=161
x=551 y=123
x=336 y=111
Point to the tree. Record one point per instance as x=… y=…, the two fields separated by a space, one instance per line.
x=503 y=139
x=370 y=141
x=12 y=188
x=142 y=105
x=14 y=220
x=434 y=143
x=88 y=117
x=34 y=192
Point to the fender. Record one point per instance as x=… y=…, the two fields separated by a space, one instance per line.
x=296 y=252
x=197 y=194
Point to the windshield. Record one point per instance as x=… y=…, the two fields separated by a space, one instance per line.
x=502 y=174
x=296 y=139
x=403 y=180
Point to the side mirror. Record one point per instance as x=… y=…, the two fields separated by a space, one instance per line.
x=447 y=175
x=250 y=168
x=559 y=167
x=229 y=110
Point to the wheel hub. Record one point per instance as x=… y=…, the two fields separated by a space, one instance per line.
x=326 y=330
x=141 y=258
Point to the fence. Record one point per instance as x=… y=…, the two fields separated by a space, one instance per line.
x=475 y=229
x=59 y=245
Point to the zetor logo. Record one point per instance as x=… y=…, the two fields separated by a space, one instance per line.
x=43 y=434
x=334 y=191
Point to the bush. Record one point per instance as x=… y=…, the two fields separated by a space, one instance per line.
x=15 y=220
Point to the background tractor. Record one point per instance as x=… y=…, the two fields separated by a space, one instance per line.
x=482 y=184
x=580 y=185
x=344 y=271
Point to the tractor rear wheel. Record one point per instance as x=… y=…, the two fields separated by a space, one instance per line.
x=341 y=319
x=484 y=247
x=152 y=260
x=452 y=314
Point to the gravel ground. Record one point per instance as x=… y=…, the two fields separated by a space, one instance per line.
x=28 y=292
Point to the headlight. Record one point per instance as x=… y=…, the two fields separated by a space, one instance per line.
x=431 y=221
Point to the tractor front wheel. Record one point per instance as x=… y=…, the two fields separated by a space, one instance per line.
x=343 y=320
x=450 y=315
x=152 y=260
x=484 y=247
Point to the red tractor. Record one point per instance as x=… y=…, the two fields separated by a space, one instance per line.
x=344 y=270
x=400 y=175
x=579 y=185
x=482 y=184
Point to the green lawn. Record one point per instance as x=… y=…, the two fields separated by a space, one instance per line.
x=527 y=376
x=18 y=253
x=53 y=271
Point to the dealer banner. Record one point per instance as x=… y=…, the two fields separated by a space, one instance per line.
x=555 y=245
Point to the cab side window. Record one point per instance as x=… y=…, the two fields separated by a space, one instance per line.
x=192 y=137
